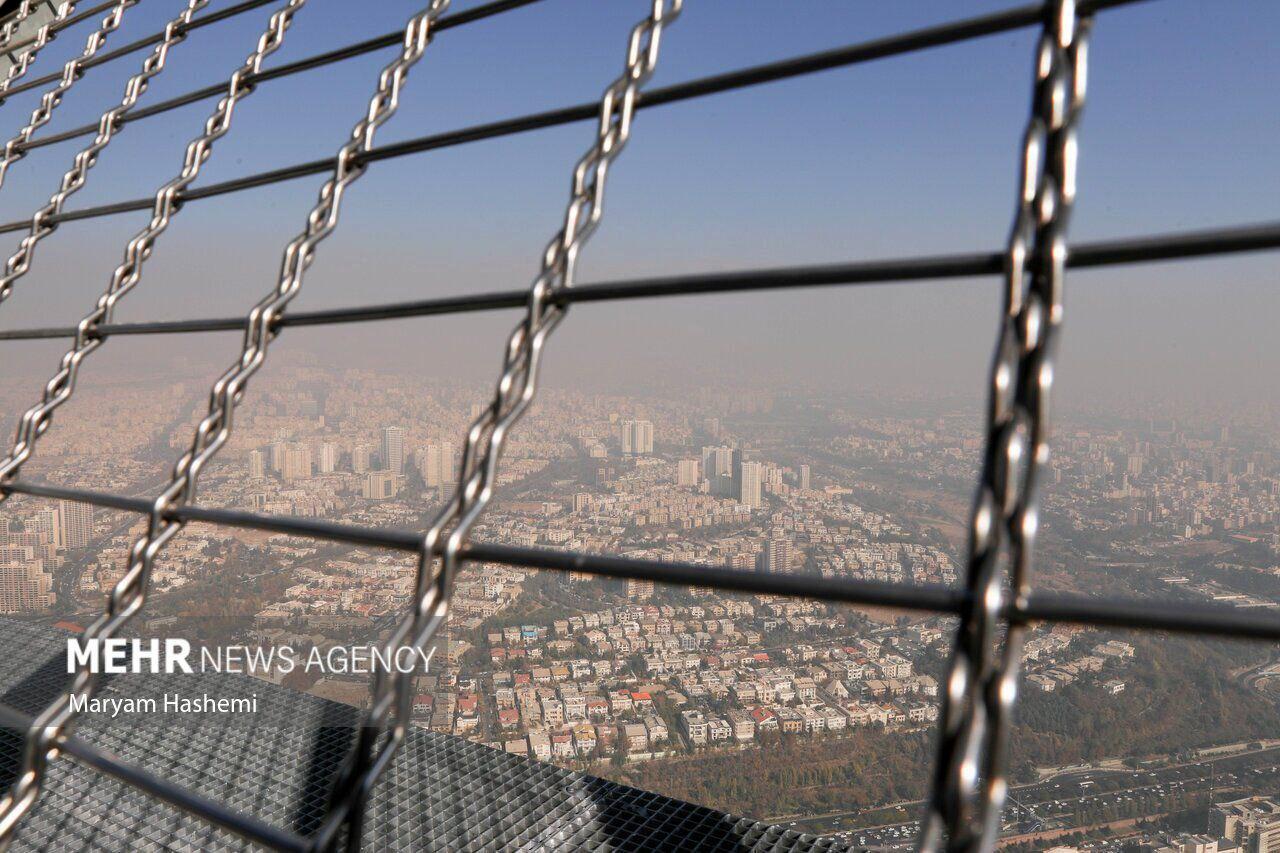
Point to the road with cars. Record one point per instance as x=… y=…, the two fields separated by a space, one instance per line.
x=1059 y=802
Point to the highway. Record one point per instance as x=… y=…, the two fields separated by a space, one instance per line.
x=1060 y=801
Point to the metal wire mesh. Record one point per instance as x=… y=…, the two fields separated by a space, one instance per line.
x=969 y=780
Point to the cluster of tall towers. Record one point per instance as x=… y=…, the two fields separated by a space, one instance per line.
x=636 y=437
x=729 y=473
x=434 y=461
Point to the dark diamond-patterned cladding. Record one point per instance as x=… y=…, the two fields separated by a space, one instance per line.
x=441 y=792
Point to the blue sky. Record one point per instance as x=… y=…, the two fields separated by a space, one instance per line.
x=909 y=155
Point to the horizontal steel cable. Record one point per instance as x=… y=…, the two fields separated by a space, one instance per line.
x=94 y=757
x=1040 y=606
x=146 y=42
x=1125 y=250
x=72 y=71
x=57 y=25
x=19 y=263
x=387 y=717
x=59 y=389
x=697 y=88
x=43 y=36
x=129 y=594
x=127 y=597
x=310 y=63
x=14 y=23
x=1027 y=607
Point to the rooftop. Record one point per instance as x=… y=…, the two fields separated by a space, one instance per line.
x=440 y=793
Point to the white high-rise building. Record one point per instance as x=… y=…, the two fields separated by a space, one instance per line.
x=749 y=477
x=448 y=463
x=420 y=462
x=428 y=462
x=717 y=470
x=257 y=464
x=28 y=545
x=435 y=464
x=48 y=521
x=639 y=589
x=393 y=449
x=278 y=450
x=776 y=556
x=24 y=587
x=1253 y=823
x=636 y=437
x=772 y=478
x=688 y=472
x=644 y=437
x=379 y=485
x=76 y=524
x=328 y=457
x=297 y=462
x=717 y=462
x=804 y=478
x=360 y=458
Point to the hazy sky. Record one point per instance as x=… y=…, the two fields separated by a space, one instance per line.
x=904 y=156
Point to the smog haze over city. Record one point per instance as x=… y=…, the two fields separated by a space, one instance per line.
x=833 y=432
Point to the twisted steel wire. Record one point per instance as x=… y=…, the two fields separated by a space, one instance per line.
x=969 y=786
x=126 y=276
x=56 y=26
x=308 y=63
x=137 y=45
x=43 y=36
x=223 y=13
x=969 y=265
x=71 y=72
x=386 y=722
x=872 y=50
x=701 y=87
x=129 y=594
x=11 y=26
x=42 y=222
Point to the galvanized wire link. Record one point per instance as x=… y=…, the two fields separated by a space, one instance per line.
x=71 y=72
x=25 y=8
x=11 y=26
x=43 y=36
x=970 y=785
x=42 y=223
x=129 y=594
x=388 y=717
x=701 y=87
x=60 y=388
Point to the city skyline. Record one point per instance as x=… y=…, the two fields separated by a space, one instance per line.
x=632 y=679
x=904 y=192
x=783 y=452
